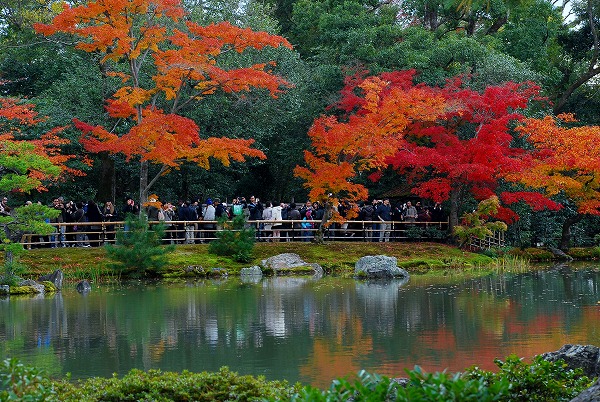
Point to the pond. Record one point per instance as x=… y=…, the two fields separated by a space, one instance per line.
x=302 y=329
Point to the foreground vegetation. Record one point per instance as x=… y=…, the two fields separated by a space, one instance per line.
x=515 y=380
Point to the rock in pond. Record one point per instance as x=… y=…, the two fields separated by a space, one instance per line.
x=291 y=263
x=251 y=271
x=83 y=287
x=379 y=267
x=56 y=278
x=28 y=286
x=586 y=357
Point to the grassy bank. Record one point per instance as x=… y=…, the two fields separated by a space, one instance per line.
x=337 y=258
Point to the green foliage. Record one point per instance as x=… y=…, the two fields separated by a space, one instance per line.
x=138 y=251
x=155 y=385
x=12 y=267
x=22 y=383
x=367 y=387
x=539 y=381
x=476 y=223
x=26 y=219
x=516 y=381
x=235 y=240
x=584 y=253
x=533 y=254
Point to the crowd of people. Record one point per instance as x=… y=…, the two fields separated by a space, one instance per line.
x=88 y=224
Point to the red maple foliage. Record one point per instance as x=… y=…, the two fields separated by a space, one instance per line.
x=449 y=142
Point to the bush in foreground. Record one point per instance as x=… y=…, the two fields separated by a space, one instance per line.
x=515 y=381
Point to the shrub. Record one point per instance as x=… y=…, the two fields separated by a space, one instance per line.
x=156 y=385
x=235 y=240
x=584 y=253
x=12 y=267
x=539 y=381
x=138 y=250
x=516 y=381
x=22 y=383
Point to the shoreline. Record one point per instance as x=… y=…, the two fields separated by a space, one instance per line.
x=336 y=258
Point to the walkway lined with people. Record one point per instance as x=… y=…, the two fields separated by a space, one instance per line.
x=91 y=225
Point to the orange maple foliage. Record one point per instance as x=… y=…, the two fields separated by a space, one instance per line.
x=566 y=160
x=364 y=140
x=29 y=164
x=186 y=68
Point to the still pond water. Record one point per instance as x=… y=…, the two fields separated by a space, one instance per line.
x=301 y=329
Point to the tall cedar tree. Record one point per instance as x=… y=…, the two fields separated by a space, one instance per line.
x=566 y=161
x=450 y=141
x=152 y=37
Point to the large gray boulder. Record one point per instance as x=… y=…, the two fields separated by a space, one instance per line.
x=4 y=289
x=56 y=278
x=379 y=267
x=586 y=357
x=286 y=263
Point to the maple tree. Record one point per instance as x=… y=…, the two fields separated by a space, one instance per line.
x=26 y=165
x=566 y=161
x=153 y=38
x=470 y=151
x=377 y=114
x=449 y=142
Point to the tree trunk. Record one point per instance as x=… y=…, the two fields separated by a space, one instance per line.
x=143 y=182
x=106 y=183
x=320 y=233
x=8 y=258
x=565 y=238
x=455 y=198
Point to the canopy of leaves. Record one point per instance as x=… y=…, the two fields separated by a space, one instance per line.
x=184 y=62
x=566 y=160
x=27 y=165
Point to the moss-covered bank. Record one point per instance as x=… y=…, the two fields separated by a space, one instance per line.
x=336 y=258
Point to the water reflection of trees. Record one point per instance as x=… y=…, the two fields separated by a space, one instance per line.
x=301 y=328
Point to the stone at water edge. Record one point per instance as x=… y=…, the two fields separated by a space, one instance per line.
x=56 y=278
x=586 y=357
x=379 y=267
x=251 y=271
x=83 y=287
x=288 y=261
x=33 y=285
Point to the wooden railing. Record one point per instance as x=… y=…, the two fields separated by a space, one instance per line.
x=93 y=234
x=488 y=242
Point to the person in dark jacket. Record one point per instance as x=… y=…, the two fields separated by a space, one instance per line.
x=384 y=214
x=94 y=216
x=367 y=214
